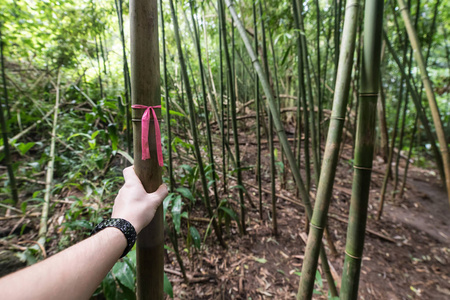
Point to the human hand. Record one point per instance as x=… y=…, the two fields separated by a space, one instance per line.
x=134 y=204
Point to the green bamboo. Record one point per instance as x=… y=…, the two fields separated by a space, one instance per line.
x=318 y=84
x=5 y=90
x=258 y=125
x=270 y=127
x=331 y=155
x=365 y=137
x=405 y=107
x=97 y=56
x=420 y=111
x=222 y=106
x=50 y=169
x=312 y=118
x=145 y=88
x=205 y=107
x=232 y=100
x=4 y=129
x=126 y=74
x=430 y=94
x=167 y=102
x=302 y=91
x=280 y=132
x=193 y=123
x=391 y=149
x=411 y=145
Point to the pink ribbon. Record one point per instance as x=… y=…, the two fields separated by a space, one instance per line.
x=145 y=125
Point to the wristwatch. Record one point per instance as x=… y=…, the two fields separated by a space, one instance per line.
x=124 y=226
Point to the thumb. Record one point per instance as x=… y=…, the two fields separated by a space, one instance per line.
x=159 y=195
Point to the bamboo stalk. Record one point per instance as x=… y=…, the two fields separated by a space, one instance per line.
x=4 y=129
x=205 y=107
x=145 y=87
x=280 y=131
x=193 y=124
x=233 y=116
x=429 y=92
x=50 y=170
x=258 y=125
x=5 y=89
x=331 y=155
x=126 y=73
x=270 y=127
x=301 y=60
x=167 y=102
x=411 y=145
x=312 y=119
x=365 y=136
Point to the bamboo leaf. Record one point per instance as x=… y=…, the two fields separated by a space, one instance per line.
x=186 y=193
x=168 y=286
x=195 y=237
x=176 y=212
x=123 y=273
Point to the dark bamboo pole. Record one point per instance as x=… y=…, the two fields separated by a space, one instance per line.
x=281 y=134
x=411 y=145
x=430 y=93
x=365 y=137
x=145 y=88
x=126 y=73
x=193 y=123
x=258 y=125
x=302 y=91
x=4 y=129
x=331 y=155
x=222 y=103
x=5 y=89
x=99 y=66
x=270 y=127
x=312 y=118
x=167 y=100
x=232 y=101
x=205 y=107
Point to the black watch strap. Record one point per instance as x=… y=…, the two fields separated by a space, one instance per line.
x=124 y=226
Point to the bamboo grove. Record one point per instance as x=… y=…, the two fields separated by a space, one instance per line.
x=298 y=83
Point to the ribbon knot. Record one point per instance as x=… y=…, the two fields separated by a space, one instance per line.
x=145 y=126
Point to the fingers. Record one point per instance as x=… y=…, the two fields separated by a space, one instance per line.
x=130 y=175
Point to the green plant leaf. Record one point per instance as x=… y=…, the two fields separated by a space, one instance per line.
x=176 y=212
x=195 y=237
x=23 y=148
x=168 y=286
x=123 y=273
x=186 y=193
x=260 y=260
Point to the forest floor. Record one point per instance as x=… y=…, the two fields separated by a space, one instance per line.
x=406 y=254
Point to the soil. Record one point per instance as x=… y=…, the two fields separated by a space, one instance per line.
x=406 y=254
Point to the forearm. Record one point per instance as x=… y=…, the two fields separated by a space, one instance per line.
x=73 y=273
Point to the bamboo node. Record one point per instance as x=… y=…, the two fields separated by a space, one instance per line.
x=139 y=120
x=354 y=257
x=337 y=118
x=317 y=227
x=425 y=77
x=403 y=8
x=368 y=94
x=362 y=168
x=352 y=5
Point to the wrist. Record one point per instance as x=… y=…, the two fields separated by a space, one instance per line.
x=126 y=228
